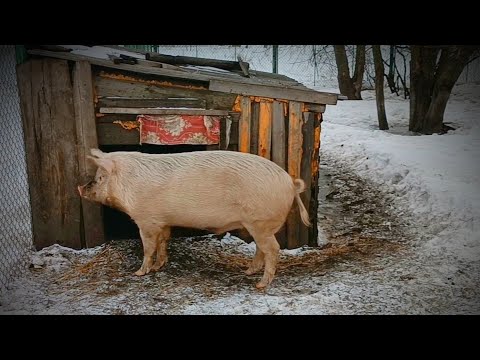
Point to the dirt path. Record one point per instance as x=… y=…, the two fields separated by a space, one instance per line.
x=365 y=264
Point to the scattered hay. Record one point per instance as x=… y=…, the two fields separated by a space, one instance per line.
x=106 y=263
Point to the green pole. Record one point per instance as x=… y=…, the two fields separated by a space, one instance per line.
x=275 y=59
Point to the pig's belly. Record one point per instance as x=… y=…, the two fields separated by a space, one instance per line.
x=201 y=216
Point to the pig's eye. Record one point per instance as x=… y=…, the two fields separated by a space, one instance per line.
x=100 y=178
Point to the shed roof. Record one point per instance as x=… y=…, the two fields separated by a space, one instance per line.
x=240 y=80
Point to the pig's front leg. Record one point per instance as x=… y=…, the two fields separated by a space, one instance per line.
x=162 y=242
x=149 y=240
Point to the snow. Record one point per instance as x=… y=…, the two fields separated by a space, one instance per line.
x=101 y=52
x=435 y=177
x=423 y=202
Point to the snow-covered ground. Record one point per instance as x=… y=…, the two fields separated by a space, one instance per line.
x=412 y=199
x=435 y=178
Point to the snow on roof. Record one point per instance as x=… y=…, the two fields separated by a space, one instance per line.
x=101 y=52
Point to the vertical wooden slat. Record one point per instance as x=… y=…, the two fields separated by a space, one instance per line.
x=265 y=129
x=254 y=127
x=223 y=133
x=295 y=141
x=306 y=171
x=279 y=142
x=278 y=135
x=244 y=125
x=83 y=101
x=46 y=100
x=313 y=231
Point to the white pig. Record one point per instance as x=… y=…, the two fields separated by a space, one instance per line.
x=216 y=190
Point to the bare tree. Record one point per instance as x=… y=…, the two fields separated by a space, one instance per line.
x=379 y=73
x=434 y=71
x=351 y=87
x=391 y=70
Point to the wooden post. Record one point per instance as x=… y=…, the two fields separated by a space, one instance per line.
x=46 y=100
x=254 y=127
x=306 y=171
x=313 y=231
x=295 y=141
x=265 y=129
x=86 y=139
x=244 y=125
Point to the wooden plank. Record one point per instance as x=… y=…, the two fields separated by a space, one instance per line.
x=172 y=111
x=93 y=234
x=295 y=138
x=279 y=135
x=106 y=87
x=147 y=103
x=189 y=60
x=279 y=152
x=314 y=107
x=46 y=99
x=313 y=231
x=295 y=149
x=234 y=138
x=254 y=127
x=224 y=132
x=109 y=118
x=244 y=125
x=306 y=171
x=114 y=134
x=265 y=129
x=284 y=93
x=168 y=73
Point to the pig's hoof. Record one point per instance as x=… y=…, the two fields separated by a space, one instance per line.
x=140 y=272
x=261 y=285
x=251 y=271
x=158 y=265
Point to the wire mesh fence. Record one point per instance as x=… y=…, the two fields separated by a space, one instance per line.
x=15 y=212
x=295 y=61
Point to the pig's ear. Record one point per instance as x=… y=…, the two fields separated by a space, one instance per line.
x=107 y=164
x=97 y=153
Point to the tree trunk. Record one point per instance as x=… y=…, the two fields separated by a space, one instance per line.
x=391 y=71
x=431 y=84
x=344 y=80
x=350 y=87
x=379 y=73
x=422 y=69
x=359 y=71
x=450 y=67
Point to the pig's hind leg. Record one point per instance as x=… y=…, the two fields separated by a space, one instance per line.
x=263 y=233
x=162 y=242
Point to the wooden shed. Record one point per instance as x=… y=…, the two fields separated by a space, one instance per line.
x=74 y=99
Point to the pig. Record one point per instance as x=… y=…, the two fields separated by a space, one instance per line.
x=215 y=190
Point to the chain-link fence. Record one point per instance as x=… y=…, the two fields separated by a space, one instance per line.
x=295 y=61
x=15 y=212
